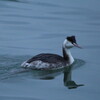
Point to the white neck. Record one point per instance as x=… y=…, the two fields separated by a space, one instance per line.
x=71 y=59
x=67 y=54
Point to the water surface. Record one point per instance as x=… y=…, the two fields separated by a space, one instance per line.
x=29 y=27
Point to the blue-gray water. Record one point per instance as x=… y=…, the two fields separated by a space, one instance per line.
x=29 y=27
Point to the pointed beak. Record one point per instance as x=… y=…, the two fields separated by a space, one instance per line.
x=76 y=45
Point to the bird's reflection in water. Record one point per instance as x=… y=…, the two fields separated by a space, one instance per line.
x=68 y=79
x=46 y=74
x=43 y=74
x=51 y=74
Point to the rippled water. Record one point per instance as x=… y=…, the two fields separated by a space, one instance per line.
x=29 y=27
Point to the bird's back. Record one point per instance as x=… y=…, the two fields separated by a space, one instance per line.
x=47 y=57
x=45 y=61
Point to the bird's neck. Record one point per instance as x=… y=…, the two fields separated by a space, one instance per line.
x=67 y=55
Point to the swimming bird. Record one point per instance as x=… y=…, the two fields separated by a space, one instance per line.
x=46 y=61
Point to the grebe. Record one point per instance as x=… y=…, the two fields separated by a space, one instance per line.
x=53 y=61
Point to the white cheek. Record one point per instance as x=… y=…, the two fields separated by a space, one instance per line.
x=69 y=45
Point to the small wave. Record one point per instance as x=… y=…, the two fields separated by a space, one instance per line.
x=10 y=67
x=16 y=98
